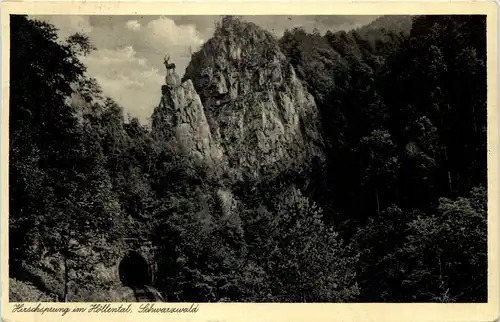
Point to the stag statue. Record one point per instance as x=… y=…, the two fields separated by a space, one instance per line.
x=167 y=65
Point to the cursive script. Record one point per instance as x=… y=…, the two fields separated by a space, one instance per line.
x=150 y=308
x=40 y=309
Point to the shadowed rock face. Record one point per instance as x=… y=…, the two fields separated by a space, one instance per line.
x=242 y=104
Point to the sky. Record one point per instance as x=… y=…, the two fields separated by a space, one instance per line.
x=128 y=62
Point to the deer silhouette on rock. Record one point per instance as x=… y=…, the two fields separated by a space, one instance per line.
x=172 y=80
x=168 y=65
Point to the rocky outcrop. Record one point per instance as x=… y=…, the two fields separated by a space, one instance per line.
x=259 y=112
x=252 y=112
x=180 y=115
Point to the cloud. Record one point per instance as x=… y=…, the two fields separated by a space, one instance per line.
x=133 y=25
x=128 y=64
x=127 y=79
x=163 y=36
x=131 y=69
x=129 y=61
x=151 y=39
x=165 y=30
x=68 y=24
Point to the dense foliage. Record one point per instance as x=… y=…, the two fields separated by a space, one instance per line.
x=406 y=122
x=400 y=214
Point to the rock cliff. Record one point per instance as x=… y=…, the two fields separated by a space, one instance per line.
x=180 y=115
x=242 y=104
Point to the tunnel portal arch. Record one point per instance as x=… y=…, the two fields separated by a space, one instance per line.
x=134 y=270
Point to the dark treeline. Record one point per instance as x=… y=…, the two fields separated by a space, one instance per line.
x=400 y=214
x=405 y=115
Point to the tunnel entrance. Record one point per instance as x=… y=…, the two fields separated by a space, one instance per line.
x=134 y=270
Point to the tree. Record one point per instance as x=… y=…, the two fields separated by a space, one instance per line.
x=448 y=250
x=60 y=193
x=432 y=78
x=381 y=266
x=201 y=249
x=304 y=259
x=381 y=163
x=43 y=129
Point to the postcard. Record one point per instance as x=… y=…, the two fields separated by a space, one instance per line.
x=249 y=161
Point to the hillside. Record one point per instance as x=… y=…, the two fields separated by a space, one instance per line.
x=390 y=23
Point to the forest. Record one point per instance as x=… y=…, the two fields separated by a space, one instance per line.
x=396 y=213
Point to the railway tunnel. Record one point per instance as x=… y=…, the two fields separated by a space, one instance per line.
x=137 y=273
x=134 y=270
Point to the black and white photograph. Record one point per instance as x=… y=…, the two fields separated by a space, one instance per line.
x=248 y=158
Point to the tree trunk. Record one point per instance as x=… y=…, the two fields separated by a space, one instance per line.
x=378 y=201
x=450 y=187
x=66 y=272
x=474 y=118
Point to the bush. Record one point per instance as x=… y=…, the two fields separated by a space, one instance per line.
x=20 y=291
x=448 y=250
x=302 y=258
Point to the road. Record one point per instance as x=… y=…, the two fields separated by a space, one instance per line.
x=148 y=293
